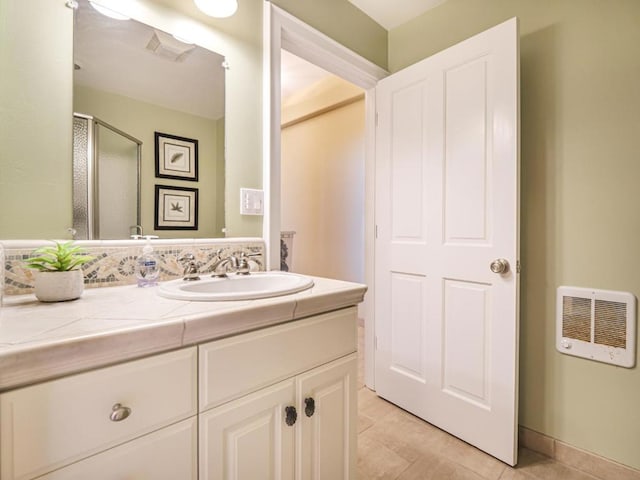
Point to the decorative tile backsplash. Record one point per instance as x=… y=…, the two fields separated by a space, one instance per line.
x=115 y=262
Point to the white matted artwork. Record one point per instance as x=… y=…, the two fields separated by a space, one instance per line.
x=176 y=208
x=176 y=157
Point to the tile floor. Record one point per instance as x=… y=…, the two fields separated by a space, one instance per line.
x=395 y=445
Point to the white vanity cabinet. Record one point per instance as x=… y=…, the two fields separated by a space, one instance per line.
x=287 y=410
x=276 y=403
x=53 y=424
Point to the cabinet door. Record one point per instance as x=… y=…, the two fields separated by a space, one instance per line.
x=168 y=454
x=327 y=429
x=248 y=438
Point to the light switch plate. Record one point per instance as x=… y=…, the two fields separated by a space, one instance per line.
x=251 y=201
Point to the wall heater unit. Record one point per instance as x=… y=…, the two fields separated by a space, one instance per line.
x=597 y=324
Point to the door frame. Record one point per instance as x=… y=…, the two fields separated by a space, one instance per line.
x=283 y=30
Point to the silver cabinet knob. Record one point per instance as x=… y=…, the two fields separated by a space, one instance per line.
x=499 y=266
x=119 y=413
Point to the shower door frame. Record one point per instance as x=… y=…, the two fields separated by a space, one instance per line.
x=91 y=223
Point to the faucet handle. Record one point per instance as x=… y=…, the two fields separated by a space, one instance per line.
x=190 y=267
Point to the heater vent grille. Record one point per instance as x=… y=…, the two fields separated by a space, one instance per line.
x=596 y=324
x=610 y=325
x=576 y=318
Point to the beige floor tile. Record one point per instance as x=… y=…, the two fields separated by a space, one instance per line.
x=437 y=468
x=514 y=474
x=373 y=406
x=406 y=435
x=364 y=422
x=470 y=457
x=375 y=461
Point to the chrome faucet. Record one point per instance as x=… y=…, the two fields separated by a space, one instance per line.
x=230 y=261
x=238 y=264
x=190 y=268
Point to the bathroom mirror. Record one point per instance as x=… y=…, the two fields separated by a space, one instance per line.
x=37 y=104
x=138 y=80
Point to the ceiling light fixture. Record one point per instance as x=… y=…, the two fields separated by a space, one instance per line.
x=108 y=12
x=217 y=8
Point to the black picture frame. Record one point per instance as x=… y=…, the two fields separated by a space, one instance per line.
x=176 y=208
x=176 y=157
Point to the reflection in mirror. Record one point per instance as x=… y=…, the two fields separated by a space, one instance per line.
x=104 y=156
x=139 y=80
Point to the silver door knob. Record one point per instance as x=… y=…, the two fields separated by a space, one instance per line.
x=499 y=266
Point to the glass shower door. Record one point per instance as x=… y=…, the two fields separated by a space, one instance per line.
x=106 y=195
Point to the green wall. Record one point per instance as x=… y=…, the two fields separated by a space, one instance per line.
x=35 y=126
x=580 y=93
x=141 y=120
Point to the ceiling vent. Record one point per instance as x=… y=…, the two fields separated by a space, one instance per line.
x=168 y=47
x=597 y=324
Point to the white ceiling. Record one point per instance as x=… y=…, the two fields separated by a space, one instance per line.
x=297 y=74
x=392 y=13
x=113 y=57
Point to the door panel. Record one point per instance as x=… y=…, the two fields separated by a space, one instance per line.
x=446 y=206
x=466 y=153
x=408 y=173
x=465 y=365
x=407 y=313
x=327 y=433
x=247 y=439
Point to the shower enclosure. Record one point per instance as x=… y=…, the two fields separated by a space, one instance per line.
x=106 y=180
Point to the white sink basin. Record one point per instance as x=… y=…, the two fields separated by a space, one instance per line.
x=236 y=287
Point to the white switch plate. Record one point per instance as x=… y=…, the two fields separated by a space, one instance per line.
x=251 y=201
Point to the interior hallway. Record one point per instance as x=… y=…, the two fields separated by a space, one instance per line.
x=395 y=445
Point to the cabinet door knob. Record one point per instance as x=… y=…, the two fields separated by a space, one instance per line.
x=291 y=415
x=310 y=406
x=119 y=413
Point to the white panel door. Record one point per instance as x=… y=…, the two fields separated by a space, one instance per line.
x=447 y=205
x=327 y=429
x=249 y=438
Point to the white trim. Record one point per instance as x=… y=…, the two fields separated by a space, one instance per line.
x=315 y=47
x=368 y=311
x=271 y=143
x=282 y=30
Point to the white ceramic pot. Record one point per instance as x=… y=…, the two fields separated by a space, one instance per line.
x=59 y=286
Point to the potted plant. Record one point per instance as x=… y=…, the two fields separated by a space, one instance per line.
x=59 y=276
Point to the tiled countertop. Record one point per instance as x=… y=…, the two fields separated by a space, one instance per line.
x=39 y=341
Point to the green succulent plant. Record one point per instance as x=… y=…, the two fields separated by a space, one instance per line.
x=60 y=257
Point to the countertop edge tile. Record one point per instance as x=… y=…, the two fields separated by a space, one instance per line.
x=46 y=359
x=232 y=322
x=318 y=303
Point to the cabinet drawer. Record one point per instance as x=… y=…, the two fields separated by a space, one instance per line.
x=49 y=425
x=168 y=454
x=235 y=366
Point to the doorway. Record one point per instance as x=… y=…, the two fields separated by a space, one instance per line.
x=286 y=32
x=322 y=172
